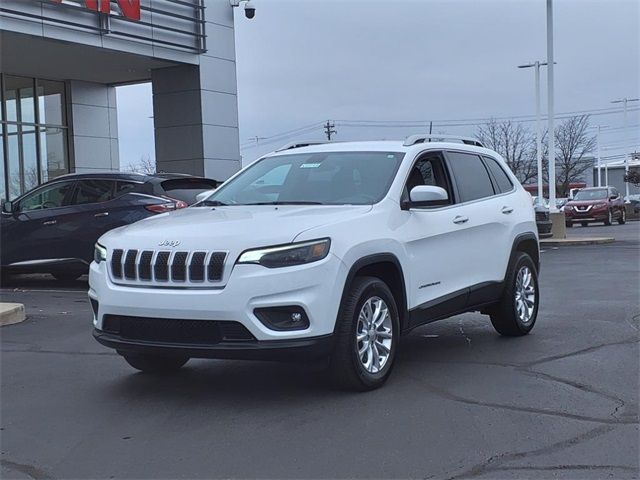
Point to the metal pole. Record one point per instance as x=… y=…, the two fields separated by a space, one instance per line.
x=627 y=151
x=599 y=164
x=606 y=173
x=550 y=113
x=539 y=135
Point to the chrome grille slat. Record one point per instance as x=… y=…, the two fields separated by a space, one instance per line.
x=132 y=266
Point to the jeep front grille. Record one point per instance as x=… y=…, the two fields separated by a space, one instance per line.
x=140 y=266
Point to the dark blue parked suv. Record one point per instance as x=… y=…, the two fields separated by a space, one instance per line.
x=53 y=228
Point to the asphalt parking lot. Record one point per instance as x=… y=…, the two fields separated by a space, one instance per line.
x=462 y=402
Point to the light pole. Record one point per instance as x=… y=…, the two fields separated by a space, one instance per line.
x=550 y=113
x=537 y=66
x=627 y=152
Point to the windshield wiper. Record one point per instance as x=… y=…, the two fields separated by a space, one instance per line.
x=293 y=202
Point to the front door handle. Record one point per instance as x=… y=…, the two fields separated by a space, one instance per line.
x=460 y=219
x=507 y=210
x=101 y=214
x=50 y=222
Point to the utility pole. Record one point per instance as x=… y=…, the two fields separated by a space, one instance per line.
x=599 y=162
x=627 y=150
x=537 y=66
x=550 y=112
x=329 y=129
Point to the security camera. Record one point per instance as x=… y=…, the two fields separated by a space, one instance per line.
x=249 y=10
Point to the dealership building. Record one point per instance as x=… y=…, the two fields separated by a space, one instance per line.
x=60 y=61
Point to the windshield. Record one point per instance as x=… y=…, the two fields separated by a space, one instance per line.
x=329 y=178
x=597 y=194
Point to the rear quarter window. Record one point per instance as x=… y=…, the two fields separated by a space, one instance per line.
x=499 y=175
x=187 y=189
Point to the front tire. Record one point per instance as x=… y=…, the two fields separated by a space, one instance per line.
x=155 y=363
x=517 y=311
x=622 y=219
x=609 y=220
x=367 y=334
x=69 y=276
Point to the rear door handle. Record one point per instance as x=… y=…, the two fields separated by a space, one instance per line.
x=507 y=210
x=101 y=214
x=460 y=219
x=50 y=222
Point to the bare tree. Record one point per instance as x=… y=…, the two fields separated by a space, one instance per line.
x=633 y=177
x=515 y=143
x=145 y=165
x=573 y=145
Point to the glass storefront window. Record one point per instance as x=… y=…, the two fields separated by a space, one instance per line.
x=34 y=135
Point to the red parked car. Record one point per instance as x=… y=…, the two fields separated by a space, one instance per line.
x=597 y=204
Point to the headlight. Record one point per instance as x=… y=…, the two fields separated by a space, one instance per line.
x=600 y=205
x=100 y=253
x=568 y=207
x=287 y=255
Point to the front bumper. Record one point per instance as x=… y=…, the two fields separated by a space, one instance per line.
x=315 y=287
x=277 y=350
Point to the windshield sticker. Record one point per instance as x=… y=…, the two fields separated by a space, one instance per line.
x=310 y=165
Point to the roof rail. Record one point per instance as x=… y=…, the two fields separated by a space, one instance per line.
x=428 y=137
x=292 y=145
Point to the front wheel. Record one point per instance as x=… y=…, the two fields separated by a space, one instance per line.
x=155 y=363
x=516 y=313
x=622 y=219
x=367 y=334
x=609 y=220
x=69 y=276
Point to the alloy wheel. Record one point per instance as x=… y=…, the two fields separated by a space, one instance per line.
x=525 y=295
x=374 y=334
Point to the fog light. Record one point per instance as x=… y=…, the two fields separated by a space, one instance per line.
x=283 y=318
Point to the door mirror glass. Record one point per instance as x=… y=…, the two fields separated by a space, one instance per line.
x=7 y=206
x=428 y=195
x=613 y=197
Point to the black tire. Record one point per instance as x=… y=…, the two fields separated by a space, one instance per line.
x=569 y=224
x=345 y=365
x=585 y=224
x=504 y=315
x=69 y=276
x=609 y=220
x=622 y=219
x=155 y=363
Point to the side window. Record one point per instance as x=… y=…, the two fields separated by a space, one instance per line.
x=428 y=170
x=502 y=179
x=124 y=187
x=52 y=196
x=471 y=176
x=93 y=191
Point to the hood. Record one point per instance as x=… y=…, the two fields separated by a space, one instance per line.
x=231 y=228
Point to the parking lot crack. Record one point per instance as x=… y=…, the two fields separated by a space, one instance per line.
x=582 y=351
x=29 y=470
x=496 y=462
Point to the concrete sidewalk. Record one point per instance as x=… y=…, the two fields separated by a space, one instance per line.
x=11 y=313
x=572 y=241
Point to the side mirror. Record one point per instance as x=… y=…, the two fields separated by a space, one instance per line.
x=613 y=197
x=7 y=207
x=427 y=196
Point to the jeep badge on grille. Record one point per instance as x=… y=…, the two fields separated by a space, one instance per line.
x=169 y=243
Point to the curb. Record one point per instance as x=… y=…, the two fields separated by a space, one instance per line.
x=570 y=242
x=11 y=313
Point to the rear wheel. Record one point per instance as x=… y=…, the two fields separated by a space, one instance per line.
x=155 y=363
x=585 y=224
x=367 y=334
x=569 y=223
x=609 y=220
x=517 y=311
x=622 y=219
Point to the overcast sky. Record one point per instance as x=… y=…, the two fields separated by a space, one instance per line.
x=301 y=62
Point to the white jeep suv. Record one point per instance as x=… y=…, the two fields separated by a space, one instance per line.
x=323 y=252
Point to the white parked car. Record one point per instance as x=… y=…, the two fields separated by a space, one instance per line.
x=328 y=251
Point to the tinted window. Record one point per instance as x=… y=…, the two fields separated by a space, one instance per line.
x=124 y=187
x=51 y=196
x=502 y=179
x=93 y=191
x=471 y=176
x=186 y=189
